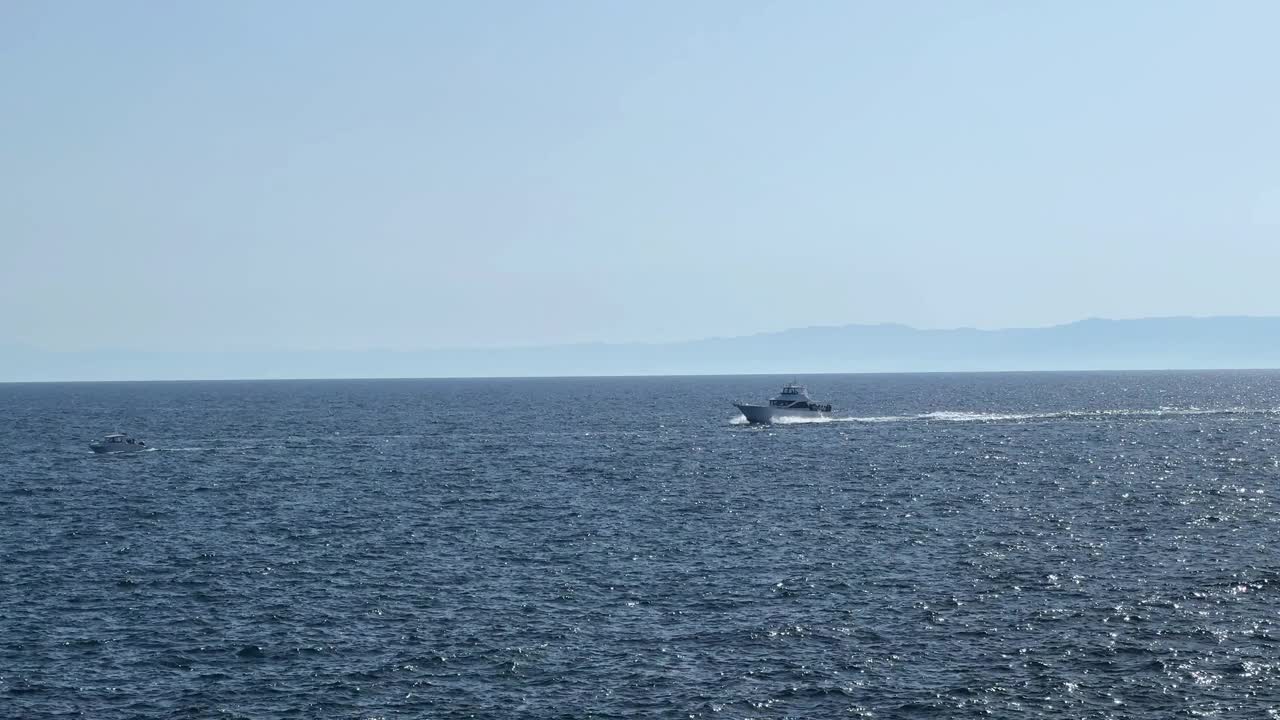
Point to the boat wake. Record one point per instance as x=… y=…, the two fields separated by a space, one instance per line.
x=960 y=416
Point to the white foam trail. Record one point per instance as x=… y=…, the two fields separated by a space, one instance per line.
x=1091 y=414
x=961 y=416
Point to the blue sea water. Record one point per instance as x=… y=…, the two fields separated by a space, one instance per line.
x=1084 y=545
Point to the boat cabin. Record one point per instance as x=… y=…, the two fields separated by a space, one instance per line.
x=121 y=438
x=792 y=396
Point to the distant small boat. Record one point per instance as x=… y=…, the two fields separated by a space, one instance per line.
x=792 y=402
x=117 y=443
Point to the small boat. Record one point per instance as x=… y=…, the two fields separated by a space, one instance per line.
x=792 y=403
x=117 y=443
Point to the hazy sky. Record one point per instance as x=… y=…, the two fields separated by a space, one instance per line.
x=413 y=174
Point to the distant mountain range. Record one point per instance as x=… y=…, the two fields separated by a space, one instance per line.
x=1152 y=343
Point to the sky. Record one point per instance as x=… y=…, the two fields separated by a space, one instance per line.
x=410 y=175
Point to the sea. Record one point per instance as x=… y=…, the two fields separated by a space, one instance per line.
x=1044 y=545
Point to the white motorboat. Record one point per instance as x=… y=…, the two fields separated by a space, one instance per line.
x=792 y=403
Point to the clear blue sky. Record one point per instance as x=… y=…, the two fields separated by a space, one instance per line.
x=305 y=175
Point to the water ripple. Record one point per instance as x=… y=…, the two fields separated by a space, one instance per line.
x=1050 y=545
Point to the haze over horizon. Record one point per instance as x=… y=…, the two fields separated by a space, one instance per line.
x=767 y=332
x=1095 y=344
x=323 y=176
x=763 y=332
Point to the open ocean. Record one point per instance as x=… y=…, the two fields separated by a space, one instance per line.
x=1057 y=545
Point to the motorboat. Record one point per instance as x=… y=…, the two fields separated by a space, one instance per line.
x=793 y=403
x=117 y=443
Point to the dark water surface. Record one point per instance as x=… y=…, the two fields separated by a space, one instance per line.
x=1039 y=545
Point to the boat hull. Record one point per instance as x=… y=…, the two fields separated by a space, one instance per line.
x=106 y=449
x=765 y=415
